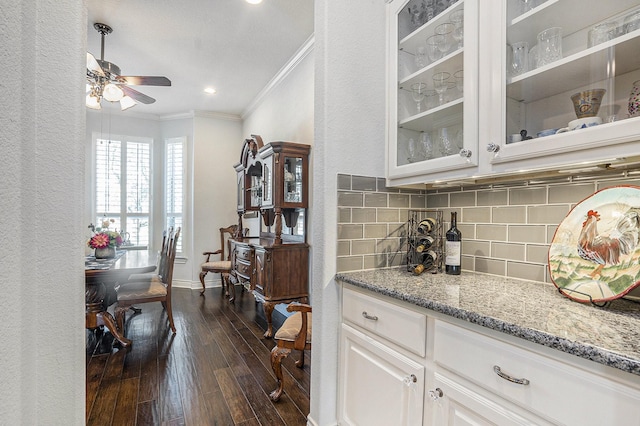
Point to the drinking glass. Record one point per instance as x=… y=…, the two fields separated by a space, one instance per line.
x=631 y=22
x=427 y=145
x=533 y=57
x=549 y=46
x=446 y=31
x=457 y=19
x=433 y=50
x=412 y=151
x=418 y=91
x=601 y=33
x=527 y=5
x=519 y=58
x=421 y=57
x=440 y=81
x=459 y=77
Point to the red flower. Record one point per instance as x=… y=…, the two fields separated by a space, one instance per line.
x=99 y=241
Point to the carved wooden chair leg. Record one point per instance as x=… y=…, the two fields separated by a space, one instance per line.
x=300 y=362
x=202 y=274
x=119 y=313
x=277 y=355
x=167 y=307
x=224 y=280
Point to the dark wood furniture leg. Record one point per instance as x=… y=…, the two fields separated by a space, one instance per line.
x=268 y=313
x=96 y=315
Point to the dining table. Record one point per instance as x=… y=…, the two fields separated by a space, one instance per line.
x=101 y=277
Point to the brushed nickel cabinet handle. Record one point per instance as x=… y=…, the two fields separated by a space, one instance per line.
x=505 y=376
x=369 y=317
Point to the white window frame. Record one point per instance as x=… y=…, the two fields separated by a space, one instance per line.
x=123 y=202
x=184 y=235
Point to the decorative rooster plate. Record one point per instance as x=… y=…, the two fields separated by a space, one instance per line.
x=595 y=252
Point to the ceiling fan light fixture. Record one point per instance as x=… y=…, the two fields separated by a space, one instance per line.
x=112 y=93
x=254 y=1
x=92 y=102
x=127 y=102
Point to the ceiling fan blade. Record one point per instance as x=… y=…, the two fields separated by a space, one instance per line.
x=93 y=66
x=145 y=80
x=140 y=97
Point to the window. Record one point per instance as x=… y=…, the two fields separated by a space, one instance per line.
x=174 y=185
x=123 y=185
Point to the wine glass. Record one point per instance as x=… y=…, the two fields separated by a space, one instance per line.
x=418 y=91
x=440 y=81
x=459 y=77
x=446 y=31
x=433 y=49
x=457 y=19
x=447 y=146
x=427 y=145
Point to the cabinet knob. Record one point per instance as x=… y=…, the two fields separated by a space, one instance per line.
x=465 y=153
x=409 y=380
x=369 y=317
x=493 y=147
x=505 y=376
x=436 y=393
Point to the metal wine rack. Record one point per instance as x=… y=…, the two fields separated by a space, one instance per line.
x=414 y=258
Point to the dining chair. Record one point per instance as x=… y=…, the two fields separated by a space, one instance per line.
x=156 y=289
x=295 y=333
x=222 y=266
x=160 y=264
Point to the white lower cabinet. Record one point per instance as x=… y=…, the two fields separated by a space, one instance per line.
x=456 y=373
x=378 y=386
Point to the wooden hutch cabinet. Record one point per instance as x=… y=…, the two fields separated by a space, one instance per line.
x=274 y=266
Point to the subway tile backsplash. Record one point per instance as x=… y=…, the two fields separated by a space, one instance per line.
x=506 y=230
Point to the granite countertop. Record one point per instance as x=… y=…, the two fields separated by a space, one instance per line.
x=533 y=311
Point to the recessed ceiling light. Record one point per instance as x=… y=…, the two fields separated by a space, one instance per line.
x=210 y=90
x=254 y=1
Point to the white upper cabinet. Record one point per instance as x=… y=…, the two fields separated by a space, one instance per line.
x=432 y=88
x=525 y=65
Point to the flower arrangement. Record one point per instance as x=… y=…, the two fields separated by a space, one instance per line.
x=103 y=237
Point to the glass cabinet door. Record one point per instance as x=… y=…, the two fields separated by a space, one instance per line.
x=292 y=181
x=433 y=117
x=267 y=181
x=570 y=76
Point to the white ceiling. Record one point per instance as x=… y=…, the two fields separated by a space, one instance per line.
x=231 y=45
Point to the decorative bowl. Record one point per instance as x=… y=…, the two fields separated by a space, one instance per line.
x=587 y=103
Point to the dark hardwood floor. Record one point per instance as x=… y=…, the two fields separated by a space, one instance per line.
x=214 y=371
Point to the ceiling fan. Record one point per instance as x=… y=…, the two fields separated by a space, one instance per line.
x=104 y=80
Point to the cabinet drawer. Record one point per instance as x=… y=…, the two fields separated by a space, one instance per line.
x=401 y=326
x=243 y=252
x=243 y=269
x=556 y=390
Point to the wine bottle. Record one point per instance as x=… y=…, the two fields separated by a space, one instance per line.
x=424 y=243
x=426 y=225
x=453 y=247
x=429 y=258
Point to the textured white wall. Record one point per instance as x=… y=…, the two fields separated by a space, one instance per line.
x=217 y=145
x=41 y=200
x=349 y=138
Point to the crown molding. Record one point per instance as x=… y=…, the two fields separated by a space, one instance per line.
x=305 y=49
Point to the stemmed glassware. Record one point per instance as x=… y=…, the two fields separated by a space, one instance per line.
x=440 y=83
x=427 y=145
x=446 y=31
x=459 y=77
x=418 y=92
x=457 y=19
x=447 y=146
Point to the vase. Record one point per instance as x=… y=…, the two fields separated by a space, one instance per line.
x=634 y=99
x=105 y=253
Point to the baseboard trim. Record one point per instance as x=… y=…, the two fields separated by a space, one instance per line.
x=193 y=285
